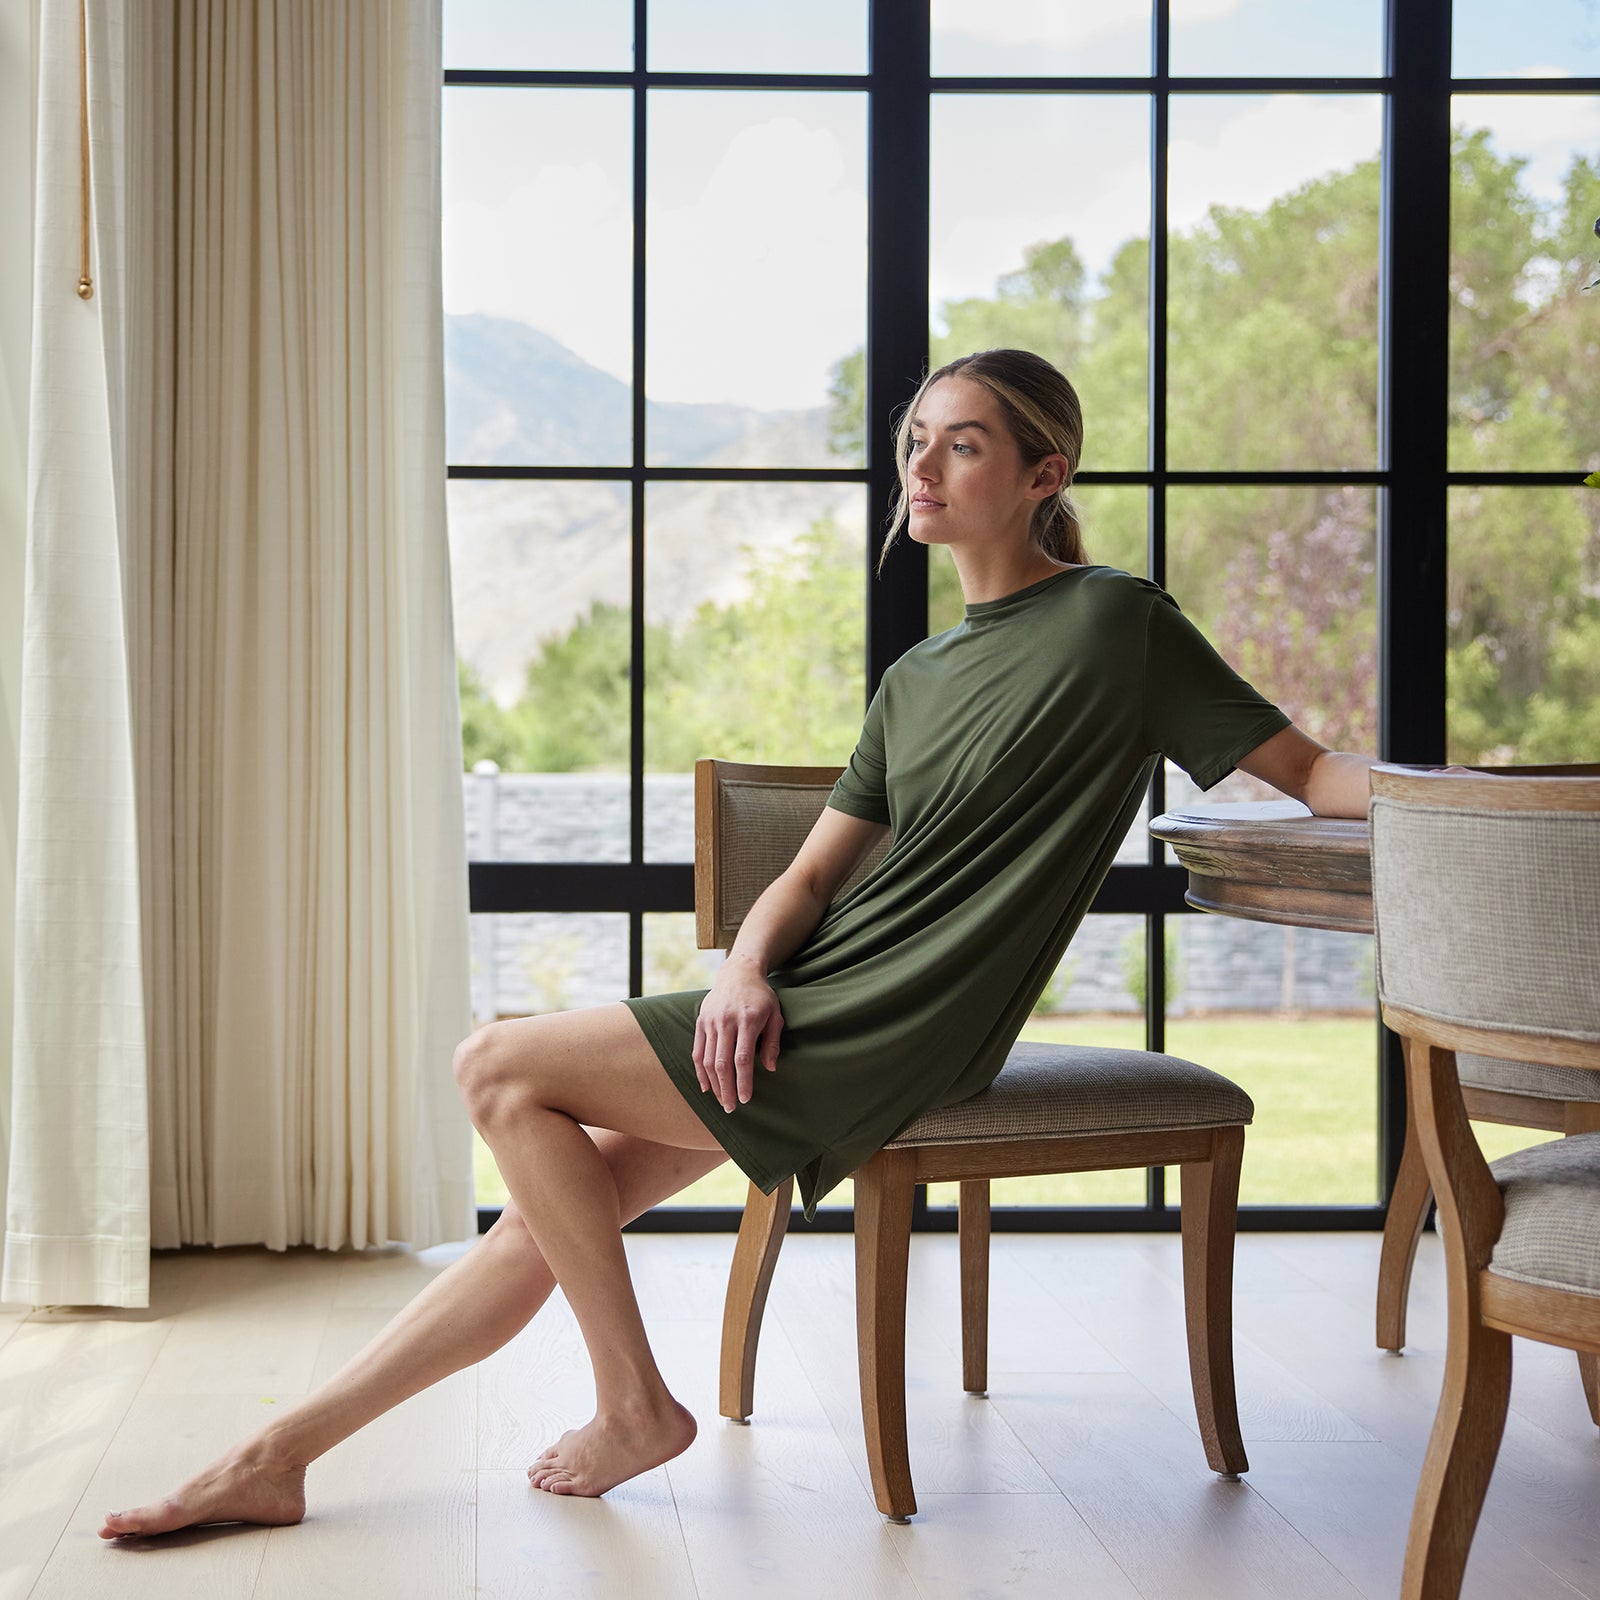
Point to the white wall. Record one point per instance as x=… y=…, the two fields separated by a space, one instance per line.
x=18 y=33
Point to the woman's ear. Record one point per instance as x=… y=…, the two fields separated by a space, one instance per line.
x=1048 y=477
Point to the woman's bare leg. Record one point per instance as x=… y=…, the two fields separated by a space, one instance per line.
x=466 y=1313
x=534 y=1087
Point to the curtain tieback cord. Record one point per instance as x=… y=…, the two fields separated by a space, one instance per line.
x=85 y=281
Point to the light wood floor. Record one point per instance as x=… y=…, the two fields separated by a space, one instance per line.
x=1081 y=1474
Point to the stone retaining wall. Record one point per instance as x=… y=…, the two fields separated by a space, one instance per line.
x=538 y=961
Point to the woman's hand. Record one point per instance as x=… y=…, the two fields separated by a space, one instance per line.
x=740 y=1015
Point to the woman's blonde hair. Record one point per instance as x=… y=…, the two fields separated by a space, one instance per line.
x=1041 y=410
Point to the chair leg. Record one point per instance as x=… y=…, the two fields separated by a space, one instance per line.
x=1589 y=1372
x=1210 y=1200
x=1402 y=1228
x=974 y=1219
x=1460 y=1459
x=1477 y=1370
x=883 y=1240
x=761 y=1230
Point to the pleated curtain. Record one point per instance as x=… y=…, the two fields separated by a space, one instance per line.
x=242 y=921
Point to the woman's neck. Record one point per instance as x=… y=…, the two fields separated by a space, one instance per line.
x=993 y=574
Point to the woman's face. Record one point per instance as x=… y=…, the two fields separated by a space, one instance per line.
x=966 y=479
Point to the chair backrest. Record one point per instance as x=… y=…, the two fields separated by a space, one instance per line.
x=1486 y=896
x=749 y=821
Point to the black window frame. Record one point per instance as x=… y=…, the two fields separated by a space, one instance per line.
x=1411 y=482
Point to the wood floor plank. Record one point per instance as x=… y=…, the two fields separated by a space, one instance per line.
x=1017 y=1342
x=389 y=1277
x=537 y=1546
x=1133 y=1473
x=774 y=1508
x=1138 y=1313
x=254 y=1325
x=959 y=1444
x=391 y=1511
x=64 y=1389
x=1541 y=1482
x=1546 y=1390
x=533 y=1390
x=161 y=1441
x=1007 y=1547
x=1353 y=1502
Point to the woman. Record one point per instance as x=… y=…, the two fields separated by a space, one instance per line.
x=1010 y=755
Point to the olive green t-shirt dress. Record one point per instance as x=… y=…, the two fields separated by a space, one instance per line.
x=1009 y=756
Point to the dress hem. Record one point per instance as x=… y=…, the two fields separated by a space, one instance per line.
x=719 y=1123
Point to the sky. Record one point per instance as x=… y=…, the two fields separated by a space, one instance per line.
x=756 y=212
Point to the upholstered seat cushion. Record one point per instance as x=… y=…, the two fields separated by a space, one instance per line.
x=1051 y=1090
x=1551 y=1235
x=1529 y=1078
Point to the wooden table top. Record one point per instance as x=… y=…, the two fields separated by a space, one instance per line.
x=1273 y=861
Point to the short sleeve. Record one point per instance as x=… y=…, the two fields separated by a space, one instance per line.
x=1198 y=711
x=862 y=789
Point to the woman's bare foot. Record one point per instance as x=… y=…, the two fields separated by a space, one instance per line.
x=610 y=1450
x=242 y=1486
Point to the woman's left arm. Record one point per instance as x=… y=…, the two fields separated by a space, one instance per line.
x=1332 y=783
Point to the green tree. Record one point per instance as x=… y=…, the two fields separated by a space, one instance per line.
x=573 y=716
x=776 y=676
x=486 y=732
x=1272 y=323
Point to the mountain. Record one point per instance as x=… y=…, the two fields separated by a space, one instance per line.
x=517 y=397
x=529 y=558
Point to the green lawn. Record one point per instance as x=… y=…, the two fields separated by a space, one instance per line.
x=1313 y=1141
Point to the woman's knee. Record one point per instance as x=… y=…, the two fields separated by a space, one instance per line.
x=488 y=1069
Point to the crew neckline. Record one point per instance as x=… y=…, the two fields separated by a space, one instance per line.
x=987 y=608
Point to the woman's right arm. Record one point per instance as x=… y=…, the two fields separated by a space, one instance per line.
x=741 y=1013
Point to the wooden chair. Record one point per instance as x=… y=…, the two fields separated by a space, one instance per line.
x=1053 y=1108
x=1520 y=1094
x=1486 y=894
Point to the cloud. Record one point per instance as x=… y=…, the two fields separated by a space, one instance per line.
x=1548 y=130
x=553 y=253
x=1270 y=147
x=759 y=281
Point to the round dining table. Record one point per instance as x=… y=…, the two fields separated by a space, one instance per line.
x=1273 y=861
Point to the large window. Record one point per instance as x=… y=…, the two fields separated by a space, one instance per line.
x=1317 y=272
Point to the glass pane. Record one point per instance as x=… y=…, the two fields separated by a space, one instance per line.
x=1524 y=337
x=1017 y=258
x=538 y=297
x=1272 y=294
x=1116 y=525
x=1524 y=618
x=1282 y=580
x=526 y=964
x=757 y=278
x=1287 y=1014
x=672 y=960
x=1036 y=38
x=755 y=635
x=1263 y=38
x=735 y=36
x=1554 y=39
x=539 y=577
x=539 y=35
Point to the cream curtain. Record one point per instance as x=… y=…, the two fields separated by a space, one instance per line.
x=242 y=952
